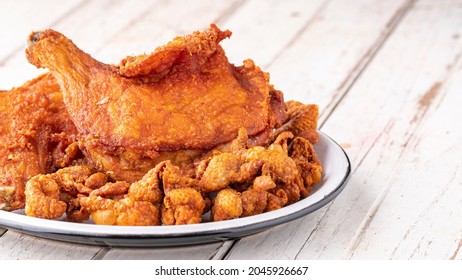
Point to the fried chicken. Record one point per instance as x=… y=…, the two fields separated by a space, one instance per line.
x=36 y=136
x=161 y=138
x=183 y=99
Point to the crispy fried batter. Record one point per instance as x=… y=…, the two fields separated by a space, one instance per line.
x=50 y=196
x=302 y=121
x=227 y=205
x=35 y=136
x=182 y=206
x=42 y=198
x=308 y=164
x=280 y=174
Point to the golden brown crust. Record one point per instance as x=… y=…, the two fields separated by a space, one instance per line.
x=35 y=132
x=201 y=102
x=302 y=121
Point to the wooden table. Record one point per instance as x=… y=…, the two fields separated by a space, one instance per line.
x=387 y=76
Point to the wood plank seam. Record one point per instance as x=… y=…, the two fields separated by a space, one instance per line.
x=435 y=90
x=315 y=228
x=456 y=251
x=425 y=101
x=223 y=251
x=148 y=11
x=421 y=216
x=360 y=67
x=101 y=253
x=72 y=10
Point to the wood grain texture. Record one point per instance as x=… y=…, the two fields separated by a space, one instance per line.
x=21 y=17
x=17 y=246
x=262 y=29
x=199 y=252
x=425 y=183
x=285 y=242
x=87 y=25
x=161 y=24
x=390 y=94
x=333 y=49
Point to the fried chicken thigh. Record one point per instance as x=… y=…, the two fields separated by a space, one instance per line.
x=183 y=99
x=35 y=136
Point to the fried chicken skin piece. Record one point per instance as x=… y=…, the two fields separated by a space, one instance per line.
x=227 y=205
x=302 y=121
x=173 y=104
x=36 y=137
x=243 y=165
x=44 y=192
x=42 y=198
x=308 y=164
x=183 y=206
x=255 y=199
x=279 y=175
x=183 y=203
x=121 y=203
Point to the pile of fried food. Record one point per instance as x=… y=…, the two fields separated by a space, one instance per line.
x=160 y=139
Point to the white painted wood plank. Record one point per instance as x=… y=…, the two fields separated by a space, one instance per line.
x=328 y=56
x=375 y=143
x=418 y=56
x=19 y=18
x=196 y=252
x=160 y=25
x=262 y=29
x=418 y=209
x=259 y=27
x=17 y=246
x=308 y=59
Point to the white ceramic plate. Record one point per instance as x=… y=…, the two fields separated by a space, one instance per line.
x=336 y=167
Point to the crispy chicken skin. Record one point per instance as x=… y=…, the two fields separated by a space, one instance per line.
x=35 y=136
x=227 y=205
x=182 y=99
x=48 y=195
x=121 y=203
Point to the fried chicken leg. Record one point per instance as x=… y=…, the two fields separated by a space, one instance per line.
x=183 y=99
x=35 y=136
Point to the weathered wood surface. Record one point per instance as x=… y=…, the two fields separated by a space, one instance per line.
x=387 y=76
